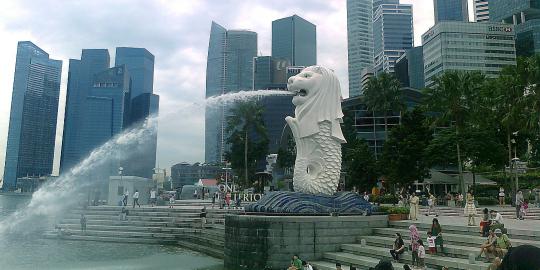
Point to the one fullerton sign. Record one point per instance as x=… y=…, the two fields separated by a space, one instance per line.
x=244 y=197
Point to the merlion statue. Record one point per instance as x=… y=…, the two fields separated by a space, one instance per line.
x=316 y=130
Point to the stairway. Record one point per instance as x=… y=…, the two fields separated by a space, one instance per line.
x=460 y=241
x=506 y=212
x=180 y=225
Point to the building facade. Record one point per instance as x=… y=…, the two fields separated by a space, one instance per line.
x=229 y=69
x=269 y=72
x=189 y=174
x=451 y=10
x=409 y=68
x=525 y=16
x=80 y=81
x=295 y=39
x=481 y=10
x=359 y=41
x=33 y=115
x=484 y=47
x=392 y=34
x=369 y=125
x=140 y=64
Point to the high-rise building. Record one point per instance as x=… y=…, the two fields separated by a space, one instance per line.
x=392 y=34
x=481 y=10
x=188 y=174
x=80 y=82
x=484 y=47
x=142 y=164
x=139 y=63
x=409 y=68
x=359 y=41
x=229 y=69
x=295 y=39
x=33 y=115
x=269 y=72
x=451 y=10
x=525 y=15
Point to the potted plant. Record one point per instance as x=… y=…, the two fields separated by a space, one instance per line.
x=398 y=213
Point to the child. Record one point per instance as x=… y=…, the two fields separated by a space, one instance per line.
x=523 y=209
x=171 y=201
x=421 y=254
x=431 y=243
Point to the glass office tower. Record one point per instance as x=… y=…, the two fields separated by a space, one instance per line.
x=295 y=39
x=392 y=34
x=33 y=115
x=359 y=41
x=229 y=69
x=525 y=16
x=80 y=81
x=451 y=10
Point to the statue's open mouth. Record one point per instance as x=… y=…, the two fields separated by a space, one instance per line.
x=302 y=92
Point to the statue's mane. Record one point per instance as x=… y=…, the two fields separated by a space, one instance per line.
x=323 y=105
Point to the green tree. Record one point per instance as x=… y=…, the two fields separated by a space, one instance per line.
x=383 y=95
x=287 y=154
x=403 y=159
x=452 y=101
x=244 y=123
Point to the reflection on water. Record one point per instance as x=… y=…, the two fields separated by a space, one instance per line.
x=31 y=251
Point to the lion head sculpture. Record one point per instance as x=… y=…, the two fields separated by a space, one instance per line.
x=317 y=99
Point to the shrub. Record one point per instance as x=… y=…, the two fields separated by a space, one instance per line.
x=384 y=199
x=399 y=210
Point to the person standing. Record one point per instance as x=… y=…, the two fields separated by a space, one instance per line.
x=432 y=200
x=398 y=247
x=436 y=231
x=83 y=223
x=126 y=197
x=501 y=196
x=421 y=254
x=136 y=199
x=228 y=200
x=519 y=202
x=470 y=209
x=414 y=209
x=366 y=196
x=171 y=201
x=203 y=217
x=152 y=197
x=415 y=238
x=214 y=199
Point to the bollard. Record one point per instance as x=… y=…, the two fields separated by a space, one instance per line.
x=472 y=258
x=363 y=243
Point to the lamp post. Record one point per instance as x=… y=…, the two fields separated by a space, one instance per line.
x=226 y=169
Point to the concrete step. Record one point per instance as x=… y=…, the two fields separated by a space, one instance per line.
x=433 y=261
x=473 y=230
x=135 y=217
x=129 y=222
x=208 y=250
x=123 y=234
x=449 y=250
x=88 y=213
x=349 y=259
x=127 y=228
x=178 y=209
x=450 y=238
x=112 y=239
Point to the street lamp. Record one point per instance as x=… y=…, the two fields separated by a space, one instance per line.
x=226 y=169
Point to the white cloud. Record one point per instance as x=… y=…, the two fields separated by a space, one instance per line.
x=176 y=32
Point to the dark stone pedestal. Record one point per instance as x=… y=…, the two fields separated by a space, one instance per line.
x=268 y=242
x=295 y=202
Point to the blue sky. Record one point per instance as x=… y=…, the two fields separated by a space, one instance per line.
x=176 y=32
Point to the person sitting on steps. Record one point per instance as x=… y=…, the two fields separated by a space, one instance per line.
x=488 y=247
x=398 y=247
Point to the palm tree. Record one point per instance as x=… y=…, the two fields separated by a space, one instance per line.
x=382 y=94
x=245 y=119
x=452 y=101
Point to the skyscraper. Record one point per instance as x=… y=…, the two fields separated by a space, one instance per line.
x=392 y=34
x=295 y=39
x=34 y=111
x=139 y=63
x=451 y=10
x=359 y=41
x=229 y=68
x=525 y=15
x=80 y=81
x=484 y=47
x=481 y=10
x=269 y=72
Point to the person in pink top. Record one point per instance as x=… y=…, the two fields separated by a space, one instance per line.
x=415 y=237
